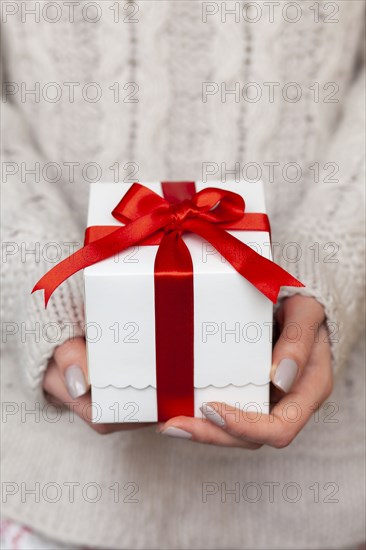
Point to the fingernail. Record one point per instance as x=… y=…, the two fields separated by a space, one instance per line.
x=75 y=381
x=176 y=432
x=212 y=415
x=285 y=374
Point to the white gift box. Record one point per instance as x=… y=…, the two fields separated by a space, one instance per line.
x=232 y=320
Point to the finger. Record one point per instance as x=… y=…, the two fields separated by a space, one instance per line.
x=53 y=400
x=290 y=414
x=70 y=358
x=202 y=431
x=53 y=385
x=301 y=319
x=49 y=386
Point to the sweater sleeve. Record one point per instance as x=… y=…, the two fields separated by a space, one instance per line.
x=327 y=230
x=38 y=231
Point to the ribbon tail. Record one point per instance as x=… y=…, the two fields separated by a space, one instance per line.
x=124 y=237
x=58 y=274
x=265 y=275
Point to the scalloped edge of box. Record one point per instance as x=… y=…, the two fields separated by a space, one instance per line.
x=121 y=387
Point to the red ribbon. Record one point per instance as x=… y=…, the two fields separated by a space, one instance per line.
x=152 y=220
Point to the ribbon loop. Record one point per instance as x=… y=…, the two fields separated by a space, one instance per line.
x=137 y=202
x=219 y=205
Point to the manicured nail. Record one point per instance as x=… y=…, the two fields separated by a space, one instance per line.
x=176 y=432
x=285 y=374
x=75 y=381
x=212 y=415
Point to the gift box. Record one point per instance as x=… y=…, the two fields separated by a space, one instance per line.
x=232 y=320
x=179 y=292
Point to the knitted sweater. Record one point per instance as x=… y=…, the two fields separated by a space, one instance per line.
x=182 y=90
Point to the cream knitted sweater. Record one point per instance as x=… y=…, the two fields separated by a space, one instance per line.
x=182 y=90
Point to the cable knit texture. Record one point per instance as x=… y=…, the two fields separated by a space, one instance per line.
x=151 y=123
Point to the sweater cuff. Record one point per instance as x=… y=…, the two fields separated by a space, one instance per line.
x=46 y=328
x=317 y=271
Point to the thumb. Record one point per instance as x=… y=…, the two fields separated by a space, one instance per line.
x=71 y=362
x=301 y=318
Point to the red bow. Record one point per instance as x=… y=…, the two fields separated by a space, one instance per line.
x=150 y=219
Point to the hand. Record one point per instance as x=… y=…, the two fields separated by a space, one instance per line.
x=66 y=384
x=301 y=375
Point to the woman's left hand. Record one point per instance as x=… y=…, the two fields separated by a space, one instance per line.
x=302 y=380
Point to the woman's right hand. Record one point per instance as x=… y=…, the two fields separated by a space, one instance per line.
x=66 y=384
